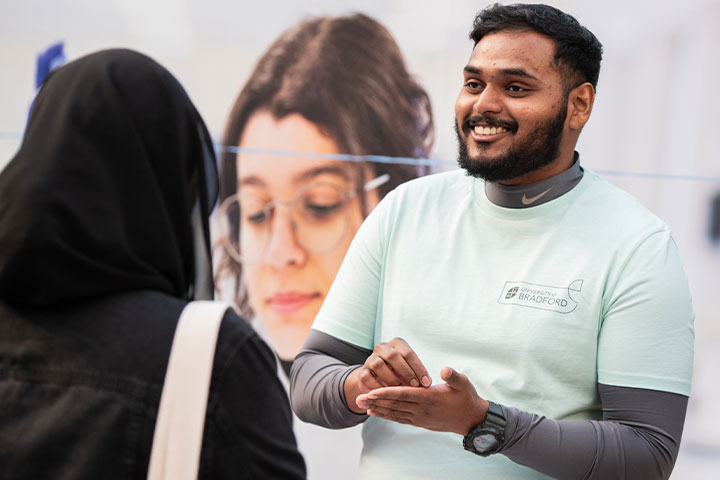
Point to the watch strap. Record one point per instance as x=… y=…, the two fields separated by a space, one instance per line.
x=494 y=425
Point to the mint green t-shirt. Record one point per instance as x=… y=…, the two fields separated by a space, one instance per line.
x=536 y=306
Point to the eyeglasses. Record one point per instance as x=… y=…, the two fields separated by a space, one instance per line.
x=319 y=219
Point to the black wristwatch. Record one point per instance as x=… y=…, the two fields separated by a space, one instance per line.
x=488 y=437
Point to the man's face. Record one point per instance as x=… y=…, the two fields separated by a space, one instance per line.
x=511 y=111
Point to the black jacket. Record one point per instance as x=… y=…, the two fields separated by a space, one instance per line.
x=80 y=387
x=104 y=239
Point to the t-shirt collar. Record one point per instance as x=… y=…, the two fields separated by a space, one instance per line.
x=534 y=194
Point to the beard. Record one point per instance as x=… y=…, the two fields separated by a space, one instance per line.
x=539 y=149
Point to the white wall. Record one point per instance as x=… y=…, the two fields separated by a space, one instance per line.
x=656 y=111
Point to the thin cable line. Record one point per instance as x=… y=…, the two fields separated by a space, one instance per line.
x=431 y=162
x=345 y=157
x=660 y=176
x=436 y=162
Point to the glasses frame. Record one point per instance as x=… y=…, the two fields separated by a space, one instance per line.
x=233 y=248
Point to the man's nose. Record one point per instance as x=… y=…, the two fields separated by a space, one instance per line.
x=488 y=101
x=284 y=249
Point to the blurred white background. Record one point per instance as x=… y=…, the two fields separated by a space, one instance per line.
x=653 y=131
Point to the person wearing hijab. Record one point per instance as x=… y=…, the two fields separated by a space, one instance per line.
x=104 y=239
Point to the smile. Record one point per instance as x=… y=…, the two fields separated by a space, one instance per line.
x=487 y=129
x=481 y=130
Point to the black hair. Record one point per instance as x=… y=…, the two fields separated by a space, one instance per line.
x=578 y=52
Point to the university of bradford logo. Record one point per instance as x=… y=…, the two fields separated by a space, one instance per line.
x=543 y=297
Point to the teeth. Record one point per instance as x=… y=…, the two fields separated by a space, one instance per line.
x=480 y=130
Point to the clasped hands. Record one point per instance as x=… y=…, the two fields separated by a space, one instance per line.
x=395 y=385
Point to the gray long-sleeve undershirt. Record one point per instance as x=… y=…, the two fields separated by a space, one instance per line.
x=639 y=435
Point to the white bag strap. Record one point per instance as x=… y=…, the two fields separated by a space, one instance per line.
x=181 y=417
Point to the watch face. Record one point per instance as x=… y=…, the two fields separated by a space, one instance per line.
x=485 y=442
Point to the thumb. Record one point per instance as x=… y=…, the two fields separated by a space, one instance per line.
x=452 y=377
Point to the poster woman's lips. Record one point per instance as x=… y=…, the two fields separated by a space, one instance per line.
x=289 y=302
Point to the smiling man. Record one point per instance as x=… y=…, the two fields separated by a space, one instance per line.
x=513 y=109
x=551 y=307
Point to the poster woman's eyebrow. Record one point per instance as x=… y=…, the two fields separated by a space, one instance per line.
x=251 y=180
x=338 y=170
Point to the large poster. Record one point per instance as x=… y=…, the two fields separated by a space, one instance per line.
x=297 y=168
x=329 y=121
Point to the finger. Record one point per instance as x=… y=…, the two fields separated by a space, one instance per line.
x=382 y=372
x=453 y=378
x=408 y=407
x=404 y=394
x=362 y=401
x=397 y=364
x=375 y=414
x=367 y=381
x=393 y=412
x=413 y=361
x=389 y=414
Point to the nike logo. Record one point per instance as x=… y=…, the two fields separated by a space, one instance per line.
x=529 y=201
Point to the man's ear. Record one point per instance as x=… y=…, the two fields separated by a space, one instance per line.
x=580 y=105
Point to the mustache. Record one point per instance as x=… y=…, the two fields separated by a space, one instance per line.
x=470 y=122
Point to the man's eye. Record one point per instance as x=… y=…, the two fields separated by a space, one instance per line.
x=472 y=85
x=517 y=89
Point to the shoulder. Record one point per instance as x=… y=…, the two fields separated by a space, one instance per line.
x=235 y=329
x=239 y=347
x=619 y=209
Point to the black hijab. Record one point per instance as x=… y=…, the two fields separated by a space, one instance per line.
x=99 y=197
